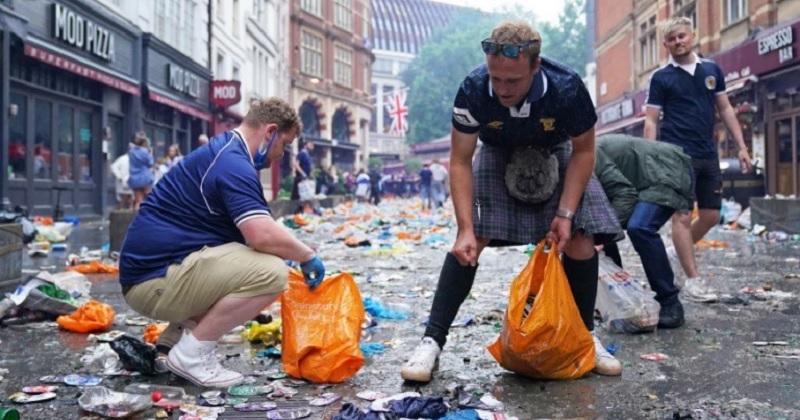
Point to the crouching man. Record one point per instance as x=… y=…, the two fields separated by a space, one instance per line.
x=204 y=253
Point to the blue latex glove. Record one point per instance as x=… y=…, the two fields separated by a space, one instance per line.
x=314 y=271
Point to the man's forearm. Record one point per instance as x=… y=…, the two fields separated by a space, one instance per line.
x=579 y=170
x=283 y=244
x=461 y=190
x=649 y=130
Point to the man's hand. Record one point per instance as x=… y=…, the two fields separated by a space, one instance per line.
x=744 y=161
x=313 y=271
x=560 y=233
x=466 y=248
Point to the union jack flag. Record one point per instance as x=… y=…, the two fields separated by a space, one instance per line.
x=397 y=109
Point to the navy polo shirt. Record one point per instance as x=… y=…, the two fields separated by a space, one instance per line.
x=558 y=106
x=200 y=202
x=688 y=105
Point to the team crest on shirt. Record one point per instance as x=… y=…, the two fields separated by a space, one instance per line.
x=711 y=82
x=548 y=124
x=497 y=125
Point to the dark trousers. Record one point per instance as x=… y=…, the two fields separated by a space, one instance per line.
x=455 y=283
x=643 y=226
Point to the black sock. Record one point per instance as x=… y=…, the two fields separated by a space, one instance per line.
x=612 y=251
x=455 y=282
x=582 y=277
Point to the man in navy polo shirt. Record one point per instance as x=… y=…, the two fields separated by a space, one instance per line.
x=302 y=166
x=688 y=91
x=204 y=253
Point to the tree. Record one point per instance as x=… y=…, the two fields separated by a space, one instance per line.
x=435 y=74
x=413 y=165
x=566 y=41
x=375 y=161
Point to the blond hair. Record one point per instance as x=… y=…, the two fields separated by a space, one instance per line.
x=674 y=23
x=273 y=111
x=516 y=31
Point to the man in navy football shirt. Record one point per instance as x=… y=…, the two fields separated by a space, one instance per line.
x=204 y=252
x=688 y=91
x=531 y=180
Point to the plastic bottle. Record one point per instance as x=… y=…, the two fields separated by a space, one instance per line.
x=8 y=413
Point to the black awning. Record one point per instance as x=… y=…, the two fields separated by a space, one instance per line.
x=13 y=23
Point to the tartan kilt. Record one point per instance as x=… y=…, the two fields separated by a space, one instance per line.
x=508 y=221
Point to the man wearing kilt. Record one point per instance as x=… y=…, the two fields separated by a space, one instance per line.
x=532 y=179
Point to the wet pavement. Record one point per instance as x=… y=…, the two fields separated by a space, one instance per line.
x=713 y=371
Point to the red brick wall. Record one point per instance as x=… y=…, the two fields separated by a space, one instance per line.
x=614 y=68
x=609 y=13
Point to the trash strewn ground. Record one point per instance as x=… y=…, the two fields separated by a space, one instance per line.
x=736 y=358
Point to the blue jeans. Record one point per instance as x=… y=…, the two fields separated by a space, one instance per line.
x=643 y=226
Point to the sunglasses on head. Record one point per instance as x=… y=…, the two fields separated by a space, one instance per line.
x=509 y=50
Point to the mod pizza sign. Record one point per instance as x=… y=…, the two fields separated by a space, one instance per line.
x=225 y=93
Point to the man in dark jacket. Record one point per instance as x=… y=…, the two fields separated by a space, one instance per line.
x=646 y=183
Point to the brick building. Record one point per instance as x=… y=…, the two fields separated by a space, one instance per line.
x=753 y=41
x=330 y=79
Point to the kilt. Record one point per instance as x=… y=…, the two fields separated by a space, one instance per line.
x=508 y=221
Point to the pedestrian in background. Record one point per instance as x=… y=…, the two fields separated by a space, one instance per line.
x=689 y=92
x=644 y=199
x=547 y=119
x=121 y=171
x=439 y=177
x=141 y=162
x=425 y=177
x=302 y=167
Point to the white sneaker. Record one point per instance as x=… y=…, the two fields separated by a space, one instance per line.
x=695 y=289
x=423 y=362
x=604 y=363
x=197 y=361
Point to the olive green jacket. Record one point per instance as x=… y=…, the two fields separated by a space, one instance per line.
x=633 y=169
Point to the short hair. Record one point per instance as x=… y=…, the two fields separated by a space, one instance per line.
x=273 y=111
x=202 y=138
x=516 y=31
x=140 y=138
x=672 y=24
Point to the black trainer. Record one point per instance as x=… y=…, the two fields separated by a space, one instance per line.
x=671 y=316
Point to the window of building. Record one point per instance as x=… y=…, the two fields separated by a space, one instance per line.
x=259 y=10
x=189 y=28
x=734 y=10
x=648 y=44
x=383 y=65
x=686 y=8
x=310 y=120
x=343 y=14
x=311 y=58
x=219 y=9
x=236 y=73
x=343 y=66
x=340 y=129
x=312 y=6
x=235 y=17
x=220 y=69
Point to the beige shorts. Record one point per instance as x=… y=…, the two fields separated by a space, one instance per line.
x=206 y=276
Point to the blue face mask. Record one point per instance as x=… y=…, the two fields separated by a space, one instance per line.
x=260 y=159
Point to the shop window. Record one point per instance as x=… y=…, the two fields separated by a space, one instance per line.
x=18 y=125
x=85 y=126
x=42 y=138
x=65 y=143
x=308 y=115
x=341 y=129
x=782 y=102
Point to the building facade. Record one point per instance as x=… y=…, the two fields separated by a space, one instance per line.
x=71 y=82
x=753 y=42
x=400 y=28
x=330 y=79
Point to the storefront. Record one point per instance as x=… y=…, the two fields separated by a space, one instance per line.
x=175 y=102
x=73 y=88
x=768 y=106
x=623 y=116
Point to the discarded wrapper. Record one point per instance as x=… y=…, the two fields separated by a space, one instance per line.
x=324 y=399
x=23 y=398
x=107 y=403
x=82 y=380
x=39 y=389
x=248 y=390
x=371 y=395
x=288 y=414
x=256 y=406
x=656 y=357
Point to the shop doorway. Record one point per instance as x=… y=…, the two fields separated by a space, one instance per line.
x=787 y=149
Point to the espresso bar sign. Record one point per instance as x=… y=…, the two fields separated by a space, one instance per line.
x=183 y=81
x=82 y=33
x=780 y=41
x=617 y=112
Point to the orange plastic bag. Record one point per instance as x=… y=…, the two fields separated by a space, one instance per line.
x=93 y=316
x=322 y=329
x=152 y=332
x=94 y=267
x=552 y=342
